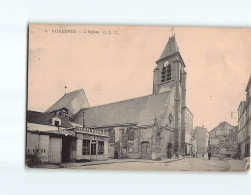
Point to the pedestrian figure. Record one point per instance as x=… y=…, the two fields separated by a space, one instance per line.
x=202 y=154
x=209 y=155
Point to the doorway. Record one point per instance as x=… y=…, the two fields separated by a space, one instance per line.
x=145 y=150
x=68 y=149
x=169 y=150
x=93 y=149
x=55 y=148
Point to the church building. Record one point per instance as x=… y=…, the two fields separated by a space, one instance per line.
x=148 y=127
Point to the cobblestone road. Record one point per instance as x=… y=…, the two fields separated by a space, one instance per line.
x=187 y=164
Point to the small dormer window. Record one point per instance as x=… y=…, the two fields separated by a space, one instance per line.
x=56 y=121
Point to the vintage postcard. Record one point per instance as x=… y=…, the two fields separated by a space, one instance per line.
x=138 y=98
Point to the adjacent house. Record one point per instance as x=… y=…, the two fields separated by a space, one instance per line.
x=202 y=137
x=223 y=140
x=244 y=125
x=187 y=126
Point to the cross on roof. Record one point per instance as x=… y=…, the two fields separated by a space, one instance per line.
x=172 y=30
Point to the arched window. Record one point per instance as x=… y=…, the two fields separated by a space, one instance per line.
x=166 y=73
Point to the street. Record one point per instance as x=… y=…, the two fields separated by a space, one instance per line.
x=186 y=164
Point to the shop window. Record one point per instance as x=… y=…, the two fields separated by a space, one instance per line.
x=86 y=147
x=100 y=147
x=93 y=148
x=145 y=148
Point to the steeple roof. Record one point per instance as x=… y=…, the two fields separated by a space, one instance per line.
x=171 y=48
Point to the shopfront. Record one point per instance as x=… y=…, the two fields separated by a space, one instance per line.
x=91 y=144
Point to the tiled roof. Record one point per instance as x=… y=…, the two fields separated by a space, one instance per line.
x=221 y=126
x=138 y=111
x=45 y=118
x=171 y=48
x=61 y=132
x=64 y=101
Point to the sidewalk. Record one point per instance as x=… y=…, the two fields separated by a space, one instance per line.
x=109 y=161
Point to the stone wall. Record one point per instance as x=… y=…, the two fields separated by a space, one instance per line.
x=167 y=139
x=127 y=142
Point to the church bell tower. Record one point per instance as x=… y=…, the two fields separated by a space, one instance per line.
x=169 y=74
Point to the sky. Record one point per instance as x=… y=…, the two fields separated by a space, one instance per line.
x=114 y=63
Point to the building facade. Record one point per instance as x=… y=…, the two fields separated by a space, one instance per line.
x=223 y=140
x=91 y=144
x=138 y=128
x=156 y=126
x=244 y=125
x=188 y=139
x=202 y=137
x=67 y=145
